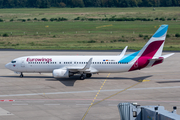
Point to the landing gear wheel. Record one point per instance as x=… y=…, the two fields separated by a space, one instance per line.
x=21 y=75
x=82 y=77
x=88 y=75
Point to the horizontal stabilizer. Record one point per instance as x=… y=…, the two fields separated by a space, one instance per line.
x=168 y=55
x=158 y=60
x=155 y=61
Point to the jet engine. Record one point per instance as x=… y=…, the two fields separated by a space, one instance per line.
x=61 y=73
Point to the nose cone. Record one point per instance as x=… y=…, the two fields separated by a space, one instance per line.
x=7 y=66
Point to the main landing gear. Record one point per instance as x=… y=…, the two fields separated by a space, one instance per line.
x=88 y=75
x=82 y=77
x=21 y=75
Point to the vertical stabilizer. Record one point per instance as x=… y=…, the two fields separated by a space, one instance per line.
x=152 y=49
x=154 y=46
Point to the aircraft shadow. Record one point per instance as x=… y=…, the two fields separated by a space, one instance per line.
x=66 y=81
x=169 y=81
x=118 y=78
x=28 y=76
x=70 y=81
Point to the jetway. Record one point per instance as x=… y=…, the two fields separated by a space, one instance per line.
x=131 y=111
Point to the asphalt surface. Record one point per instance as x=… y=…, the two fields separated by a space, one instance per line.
x=41 y=97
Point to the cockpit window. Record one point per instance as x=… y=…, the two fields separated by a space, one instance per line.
x=13 y=61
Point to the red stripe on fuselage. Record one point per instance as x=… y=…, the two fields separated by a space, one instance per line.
x=149 y=52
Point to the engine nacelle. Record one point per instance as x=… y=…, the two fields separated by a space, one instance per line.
x=61 y=73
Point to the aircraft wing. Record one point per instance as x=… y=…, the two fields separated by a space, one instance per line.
x=86 y=68
x=123 y=52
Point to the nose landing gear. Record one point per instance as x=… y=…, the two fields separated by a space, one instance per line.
x=21 y=75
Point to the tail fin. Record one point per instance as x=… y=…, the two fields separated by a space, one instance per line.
x=154 y=46
x=152 y=49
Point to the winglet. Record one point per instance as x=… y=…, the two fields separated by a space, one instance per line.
x=123 y=52
x=88 y=64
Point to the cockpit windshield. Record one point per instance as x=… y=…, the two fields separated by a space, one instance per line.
x=13 y=61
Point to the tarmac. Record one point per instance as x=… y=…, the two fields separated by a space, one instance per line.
x=42 y=97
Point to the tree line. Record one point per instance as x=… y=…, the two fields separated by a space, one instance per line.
x=87 y=3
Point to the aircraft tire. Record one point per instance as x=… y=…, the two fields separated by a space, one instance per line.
x=82 y=77
x=88 y=75
x=21 y=75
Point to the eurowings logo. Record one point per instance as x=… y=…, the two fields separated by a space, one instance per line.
x=39 y=59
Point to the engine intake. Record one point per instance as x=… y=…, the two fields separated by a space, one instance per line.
x=60 y=73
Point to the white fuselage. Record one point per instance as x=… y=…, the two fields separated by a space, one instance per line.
x=46 y=64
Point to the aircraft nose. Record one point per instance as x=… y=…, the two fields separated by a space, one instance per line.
x=7 y=66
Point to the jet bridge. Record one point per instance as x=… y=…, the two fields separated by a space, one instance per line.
x=131 y=111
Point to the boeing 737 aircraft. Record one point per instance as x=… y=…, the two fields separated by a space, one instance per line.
x=67 y=66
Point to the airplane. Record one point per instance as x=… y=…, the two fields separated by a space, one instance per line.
x=67 y=66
